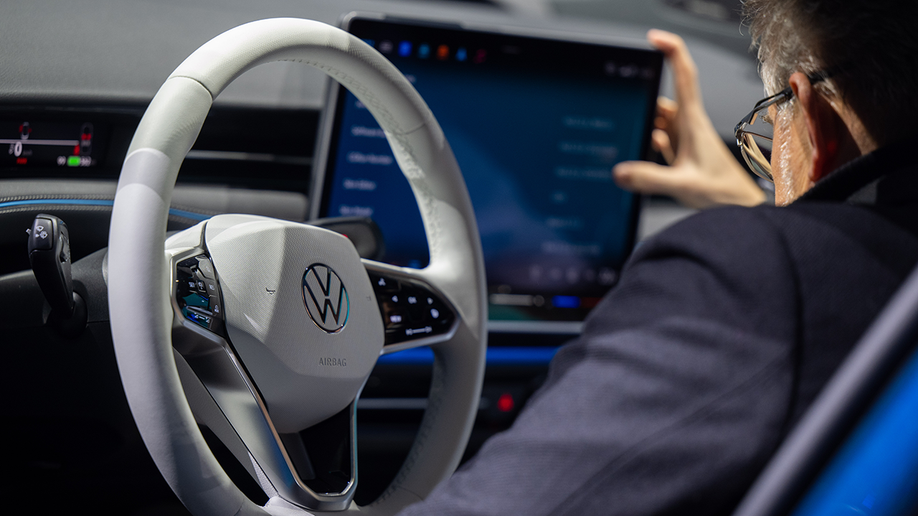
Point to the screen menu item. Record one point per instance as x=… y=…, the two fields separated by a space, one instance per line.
x=536 y=126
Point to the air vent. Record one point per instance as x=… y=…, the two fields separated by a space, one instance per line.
x=254 y=148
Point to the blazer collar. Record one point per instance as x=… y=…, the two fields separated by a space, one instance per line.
x=888 y=175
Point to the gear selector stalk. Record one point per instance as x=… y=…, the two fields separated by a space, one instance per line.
x=49 y=254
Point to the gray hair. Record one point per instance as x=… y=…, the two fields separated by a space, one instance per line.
x=870 y=48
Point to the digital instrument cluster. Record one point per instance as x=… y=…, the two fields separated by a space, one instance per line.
x=48 y=144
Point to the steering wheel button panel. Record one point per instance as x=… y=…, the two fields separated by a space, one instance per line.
x=198 y=297
x=410 y=310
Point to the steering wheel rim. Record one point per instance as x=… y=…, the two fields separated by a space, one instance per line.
x=142 y=337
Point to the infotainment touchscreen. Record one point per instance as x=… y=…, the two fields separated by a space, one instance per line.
x=536 y=125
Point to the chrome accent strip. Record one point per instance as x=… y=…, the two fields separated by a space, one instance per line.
x=553 y=327
x=406 y=404
x=392 y=404
x=418 y=343
x=248 y=156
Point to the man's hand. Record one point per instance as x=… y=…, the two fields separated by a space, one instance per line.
x=702 y=172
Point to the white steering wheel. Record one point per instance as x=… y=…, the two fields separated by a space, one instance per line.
x=268 y=328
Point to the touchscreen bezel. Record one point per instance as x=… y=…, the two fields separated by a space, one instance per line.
x=333 y=113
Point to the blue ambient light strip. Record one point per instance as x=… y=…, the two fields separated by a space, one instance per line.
x=94 y=202
x=495 y=356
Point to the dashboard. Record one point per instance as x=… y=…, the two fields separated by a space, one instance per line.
x=75 y=79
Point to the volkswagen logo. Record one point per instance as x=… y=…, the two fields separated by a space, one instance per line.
x=325 y=298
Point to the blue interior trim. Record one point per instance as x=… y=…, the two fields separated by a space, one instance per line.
x=95 y=202
x=876 y=471
x=188 y=214
x=495 y=356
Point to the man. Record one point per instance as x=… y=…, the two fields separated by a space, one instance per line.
x=724 y=328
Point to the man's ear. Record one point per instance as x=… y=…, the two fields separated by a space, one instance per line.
x=827 y=131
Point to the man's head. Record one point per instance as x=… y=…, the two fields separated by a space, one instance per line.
x=868 y=48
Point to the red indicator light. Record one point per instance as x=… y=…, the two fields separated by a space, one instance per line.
x=442 y=52
x=85 y=137
x=21 y=161
x=505 y=402
x=589 y=302
x=480 y=56
x=76 y=150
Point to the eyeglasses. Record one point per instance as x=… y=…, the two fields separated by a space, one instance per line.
x=755 y=132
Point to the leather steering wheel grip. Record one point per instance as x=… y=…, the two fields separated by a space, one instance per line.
x=138 y=279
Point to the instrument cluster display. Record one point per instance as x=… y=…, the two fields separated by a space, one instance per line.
x=48 y=144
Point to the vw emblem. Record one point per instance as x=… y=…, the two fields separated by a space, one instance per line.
x=325 y=298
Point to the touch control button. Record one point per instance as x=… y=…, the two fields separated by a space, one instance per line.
x=382 y=284
x=216 y=307
x=206 y=267
x=41 y=234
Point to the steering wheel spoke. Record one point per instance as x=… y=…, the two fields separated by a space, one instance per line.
x=285 y=467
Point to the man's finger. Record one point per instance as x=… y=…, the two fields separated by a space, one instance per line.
x=666 y=114
x=662 y=144
x=685 y=73
x=667 y=108
x=666 y=119
x=646 y=177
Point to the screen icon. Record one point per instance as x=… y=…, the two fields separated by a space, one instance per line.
x=404 y=48
x=443 y=52
x=424 y=51
x=461 y=54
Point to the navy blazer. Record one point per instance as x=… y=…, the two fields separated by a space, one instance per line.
x=695 y=366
